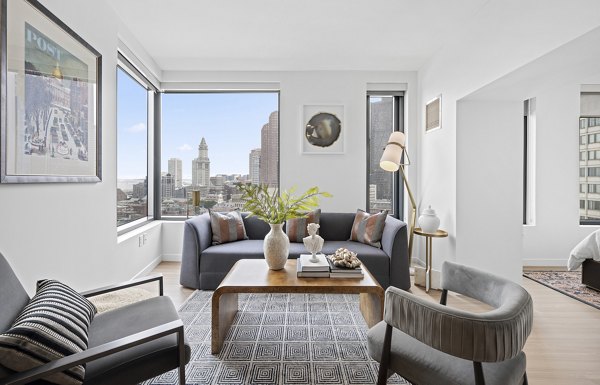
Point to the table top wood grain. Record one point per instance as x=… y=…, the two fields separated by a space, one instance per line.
x=254 y=276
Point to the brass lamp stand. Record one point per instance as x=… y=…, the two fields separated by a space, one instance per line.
x=391 y=160
x=413 y=215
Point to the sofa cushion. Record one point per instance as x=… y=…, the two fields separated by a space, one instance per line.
x=53 y=325
x=296 y=228
x=335 y=226
x=220 y=258
x=255 y=228
x=368 y=228
x=227 y=227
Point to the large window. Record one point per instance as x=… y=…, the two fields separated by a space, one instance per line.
x=210 y=142
x=589 y=158
x=134 y=131
x=384 y=115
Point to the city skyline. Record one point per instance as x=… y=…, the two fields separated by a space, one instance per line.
x=231 y=123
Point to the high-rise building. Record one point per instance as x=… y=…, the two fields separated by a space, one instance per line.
x=167 y=186
x=201 y=167
x=269 y=150
x=382 y=113
x=175 y=169
x=254 y=166
x=140 y=190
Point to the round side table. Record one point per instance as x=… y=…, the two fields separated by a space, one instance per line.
x=428 y=246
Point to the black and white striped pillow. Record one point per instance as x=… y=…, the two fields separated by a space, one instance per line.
x=54 y=324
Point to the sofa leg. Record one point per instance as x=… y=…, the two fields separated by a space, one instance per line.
x=385 y=356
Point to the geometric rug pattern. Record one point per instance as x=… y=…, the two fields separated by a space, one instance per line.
x=280 y=339
x=568 y=283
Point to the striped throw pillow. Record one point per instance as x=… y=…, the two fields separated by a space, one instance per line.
x=53 y=325
x=296 y=228
x=368 y=228
x=227 y=227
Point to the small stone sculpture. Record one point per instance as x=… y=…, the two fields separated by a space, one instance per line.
x=314 y=242
x=345 y=258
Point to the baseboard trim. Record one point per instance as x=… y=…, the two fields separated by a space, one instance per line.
x=545 y=262
x=148 y=269
x=171 y=257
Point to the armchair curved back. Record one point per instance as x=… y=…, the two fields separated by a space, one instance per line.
x=13 y=296
x=493 y=336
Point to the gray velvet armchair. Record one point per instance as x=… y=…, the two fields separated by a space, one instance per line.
x=430 y=344
x=125 y=346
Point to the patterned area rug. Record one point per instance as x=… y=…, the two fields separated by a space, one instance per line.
x=280 y=339
x=568 y=283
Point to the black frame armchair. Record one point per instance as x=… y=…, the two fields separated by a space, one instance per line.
x=161 y=338
x=429 y=343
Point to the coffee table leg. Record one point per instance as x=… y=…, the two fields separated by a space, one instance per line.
x=371 y=307
x=224 y=308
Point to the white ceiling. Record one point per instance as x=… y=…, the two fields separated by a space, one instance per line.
x=192 y=35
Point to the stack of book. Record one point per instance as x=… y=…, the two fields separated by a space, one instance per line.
x=308 y=269
x=344 y=272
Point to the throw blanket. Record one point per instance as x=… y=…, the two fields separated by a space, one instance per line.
x=589 y=248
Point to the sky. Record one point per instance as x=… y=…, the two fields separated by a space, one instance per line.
x=230 y=123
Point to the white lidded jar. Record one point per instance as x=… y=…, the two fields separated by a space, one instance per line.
x=429 y=221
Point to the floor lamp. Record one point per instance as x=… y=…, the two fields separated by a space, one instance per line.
x=392 y=161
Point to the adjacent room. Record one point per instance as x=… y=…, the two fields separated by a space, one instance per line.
x=308 y=192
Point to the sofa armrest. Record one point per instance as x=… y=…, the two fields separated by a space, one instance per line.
x=197 y=236
x=394 y=242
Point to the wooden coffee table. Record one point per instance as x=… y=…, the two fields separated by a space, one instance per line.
x=254 y=276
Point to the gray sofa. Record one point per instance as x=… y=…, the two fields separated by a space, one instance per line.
x=204 y=266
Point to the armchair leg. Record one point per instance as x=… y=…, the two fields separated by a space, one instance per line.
x=181 y=348
x=479 y=380
x=444 y=297
x=385 y=356
x=525 y=382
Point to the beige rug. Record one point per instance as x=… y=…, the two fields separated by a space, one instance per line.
x=120 y=298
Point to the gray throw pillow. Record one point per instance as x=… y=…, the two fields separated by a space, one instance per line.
x=368 y=228
x=227 y=227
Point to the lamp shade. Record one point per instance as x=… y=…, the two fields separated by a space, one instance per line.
x=392 y=155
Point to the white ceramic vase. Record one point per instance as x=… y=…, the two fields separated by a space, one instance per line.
x=428 y=221
x=276 y=247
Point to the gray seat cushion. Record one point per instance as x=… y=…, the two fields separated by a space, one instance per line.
x=424 y=365
x=144 y=361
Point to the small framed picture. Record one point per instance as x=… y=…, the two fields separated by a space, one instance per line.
x=322 y=129
x=433 y=114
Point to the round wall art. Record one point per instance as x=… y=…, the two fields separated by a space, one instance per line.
x=323 y=129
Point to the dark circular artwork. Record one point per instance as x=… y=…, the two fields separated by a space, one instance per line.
x=323 y=129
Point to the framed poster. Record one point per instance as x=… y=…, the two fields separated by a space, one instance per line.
x=433 y=114
x=51 y=90
x=322 y=129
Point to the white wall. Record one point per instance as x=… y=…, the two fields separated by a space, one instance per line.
x=557 y=229
x=489 y=186
x=68 y=231
x=484 y=51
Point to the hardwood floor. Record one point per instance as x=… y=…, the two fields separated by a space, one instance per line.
x=563 y=348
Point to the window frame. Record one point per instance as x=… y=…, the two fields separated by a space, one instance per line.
x=590 y=171
x=158 y=200
x=152 y=139
x=398 y=206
